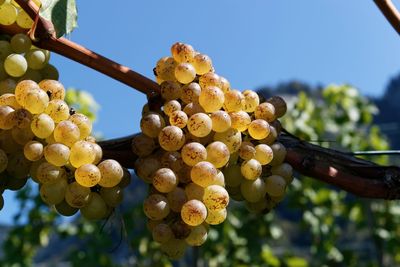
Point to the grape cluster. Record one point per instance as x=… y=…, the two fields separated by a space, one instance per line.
x=204 y=144
x=42 y=138
x=11 y=12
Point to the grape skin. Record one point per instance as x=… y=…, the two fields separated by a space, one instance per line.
x=88 y=175
x=199 y=124
x=171 y=138
x=165 y=180
x=218 y=154
x=193 y=212
x=215 y=197
x=156 y=207
x=111 y=173
x=203 y=173
x=192 y=153
x=57 y=154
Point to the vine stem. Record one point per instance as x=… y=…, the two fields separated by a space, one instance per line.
x=390 y=12
x=360 y=177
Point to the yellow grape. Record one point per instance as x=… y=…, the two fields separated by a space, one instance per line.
x=234 y=101
x=33 y=150
x=192 y=153
x=240 y=120
x=284 y=170
x=88 y=175
x=23 y=20
x=179 y=119
x=46 y=173
x=35 y=101
x=221 y=121
x=251 y=101
x=218 y=154
x=209 y=79
x=54 y=88
x=57 y=154
x=82 y=152
x=265 y=111
x=279 y=105
x=204 y=173
x=225 y=85
x=8 y=14
x=171 y=138
x=145 y=168
x=9 y=99
x=142 y=145
x=251 y=169
x=58 y=110
x=264 y=154
x=170 y=90
x=253 y=190
x=53 y=193
x=6 y=117
x=199 y=124
x=215 y=197
x=182 y=52
x=193 y=212
x=190 y=93
x=211 y=98
x=193 y=108
x=165 y=69
x=77 y=196
x=185 y=73
x=165 y=180
x=197 y=236
x=22 y=118
x=259 y=129
x=171 y=106
x=194 y=191
x=247 y=151
x=215 y=217
x=84 y=124
x=176 y=198
x=172 y=160
x=67 y=133
x=151 y=124
x=202 y=63
x=111 y=173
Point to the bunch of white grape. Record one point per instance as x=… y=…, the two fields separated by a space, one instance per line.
x=42 y=138
x=206 y=143
x=12 y=13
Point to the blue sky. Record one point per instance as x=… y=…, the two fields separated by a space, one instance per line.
x=252 y=43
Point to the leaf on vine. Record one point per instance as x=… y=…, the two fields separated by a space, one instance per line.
x=62 y=13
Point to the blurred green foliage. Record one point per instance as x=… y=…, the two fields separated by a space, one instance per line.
x=316 y=225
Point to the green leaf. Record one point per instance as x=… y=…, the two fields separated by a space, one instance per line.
x=62 y=13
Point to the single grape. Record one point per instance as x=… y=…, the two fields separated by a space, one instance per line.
x=178 y=119
x=42 y=125
x=215 y=197
x=171 y=106
x=218 y=154
x=284 y=170
x=275 y=185
x=77 y=196
x=65 y=209
x=253 y=190
x=67 y=133
x=47 y=173
x=22 y=136
x=53 y=193
x=247 y=151
x=279 y=152
x=9 y=99
x=36 y=59
x=176 y=198
x=33 y=150
x=82 y=152
x=142 y=145
x=113 y=196
x=197 y=236
x=192 y=153
x=199 y=124
x=170 y=90
x=172 y=160
x=211 y=98
x=234 y=101
x=221 y=121
x=58 y=110
x=264 y=154
x=8 y=14
x=240 y=120
x=225 y=85
x=194 y=191
x=251 y=100
x=265 y=111
x=111 y=173
x=210 y=79
x=151 y=124
x=162 y=233
x=182 y=52
x=145 y=168
x=6 y=117
x=193 y=212
x=35 y=101
x=54 y=88
x=215 y=217
x=23 y=20
x=165 y=180
x=202 y=63
x=174 y=248
x=18 y=166
x=15 y=65
x=193 y=108
x=95 y=209
x=156 y=207
x=190 y=93
x=259 y=129
x=251 y=169
x=171 y=138
x=204 y=173
x=279 y=105
x=185 y=73
x=20 y=43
